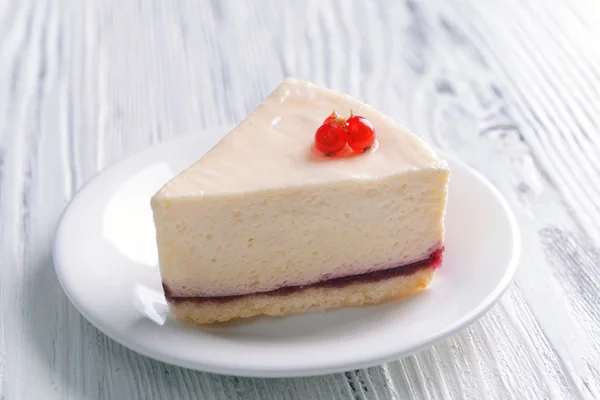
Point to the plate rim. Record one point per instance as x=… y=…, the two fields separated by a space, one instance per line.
x=469 y=318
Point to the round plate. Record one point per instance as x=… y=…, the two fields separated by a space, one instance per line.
x=106 y=259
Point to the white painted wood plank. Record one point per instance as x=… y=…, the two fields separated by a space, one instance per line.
x=510 y=87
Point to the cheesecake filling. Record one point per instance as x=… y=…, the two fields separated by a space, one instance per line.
x=433 y=261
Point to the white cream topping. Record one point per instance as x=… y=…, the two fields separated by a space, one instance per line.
x=273 y=147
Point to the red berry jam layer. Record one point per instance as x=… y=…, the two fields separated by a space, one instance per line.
x=434 y=260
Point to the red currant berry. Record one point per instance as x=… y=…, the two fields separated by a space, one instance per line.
x=361 y=134
x=330 y=138
x=332 y=117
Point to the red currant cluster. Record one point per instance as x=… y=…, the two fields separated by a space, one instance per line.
x=335 y=132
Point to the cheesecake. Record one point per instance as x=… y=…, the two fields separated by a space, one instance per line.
x=267 y=224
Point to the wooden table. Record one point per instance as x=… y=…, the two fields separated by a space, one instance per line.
x=511 y=87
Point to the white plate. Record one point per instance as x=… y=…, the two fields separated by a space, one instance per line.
x=105 y=257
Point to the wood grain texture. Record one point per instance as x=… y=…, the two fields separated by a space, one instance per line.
x=511 y=87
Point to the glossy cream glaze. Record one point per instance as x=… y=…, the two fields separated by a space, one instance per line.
x=283 y=128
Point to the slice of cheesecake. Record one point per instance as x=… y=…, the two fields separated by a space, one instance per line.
x=265 y=224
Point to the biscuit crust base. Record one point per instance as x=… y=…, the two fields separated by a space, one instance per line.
x=308 y=298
